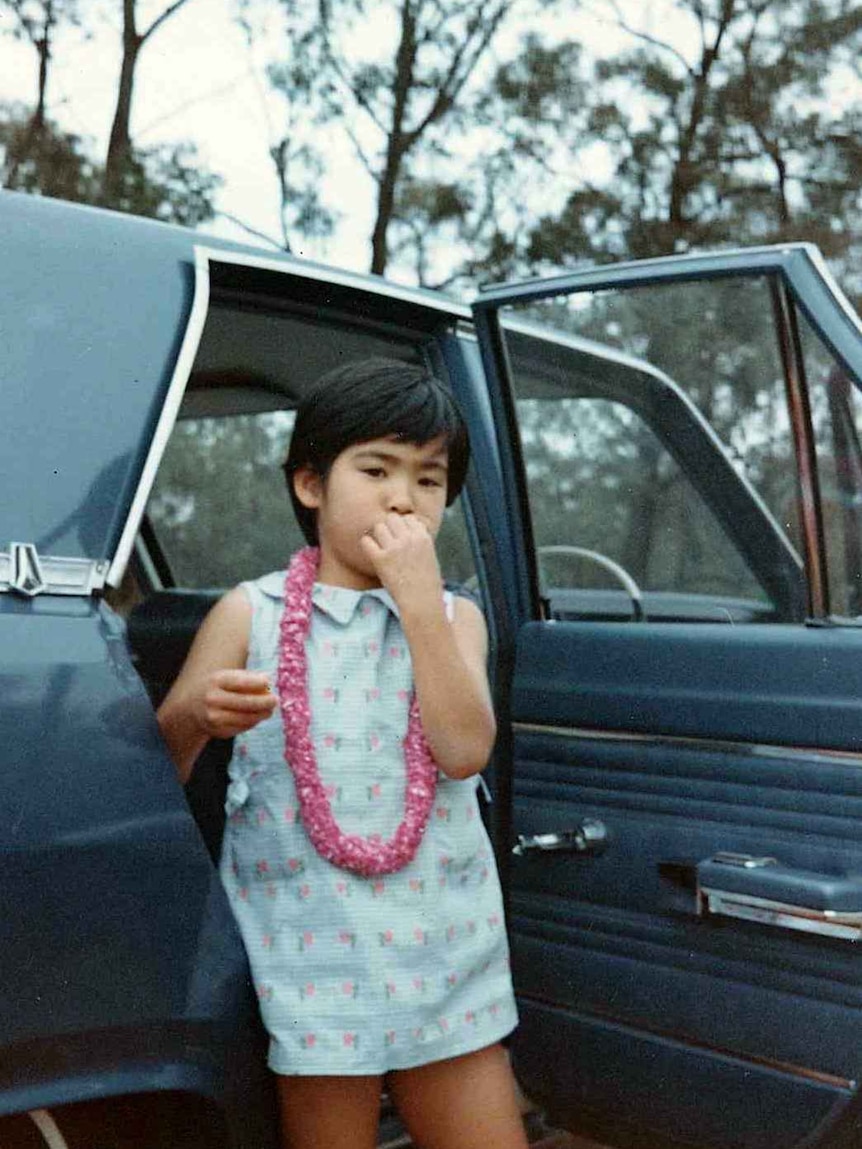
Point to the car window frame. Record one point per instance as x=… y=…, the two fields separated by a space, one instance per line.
x=799 y=278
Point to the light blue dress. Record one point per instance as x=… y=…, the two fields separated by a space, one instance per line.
x=359 y=975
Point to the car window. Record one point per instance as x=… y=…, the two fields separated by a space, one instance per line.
x=219 y=511
x=646 y=405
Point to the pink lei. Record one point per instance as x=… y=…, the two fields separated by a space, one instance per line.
x=366 y=856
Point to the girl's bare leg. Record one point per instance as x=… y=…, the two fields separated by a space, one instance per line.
x=329 y=1112
x=464 y=1102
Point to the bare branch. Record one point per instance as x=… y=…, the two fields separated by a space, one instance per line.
x=361 y=153
x=463 y=64
x=231 y=218
x=646 y=38
x=159 y=20
x=341 y=73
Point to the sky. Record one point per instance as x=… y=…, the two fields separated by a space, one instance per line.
x=200 y=79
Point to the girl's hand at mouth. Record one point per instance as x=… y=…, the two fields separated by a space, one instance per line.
x=401 y=550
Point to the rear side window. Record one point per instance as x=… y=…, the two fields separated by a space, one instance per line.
x=219 y=511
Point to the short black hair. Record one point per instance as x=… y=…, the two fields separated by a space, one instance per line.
x=373 y=399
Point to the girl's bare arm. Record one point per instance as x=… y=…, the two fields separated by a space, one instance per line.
x=214 y=696
x=452 y=685
x=448 y=657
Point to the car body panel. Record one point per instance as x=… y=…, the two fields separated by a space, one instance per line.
x=95 y=320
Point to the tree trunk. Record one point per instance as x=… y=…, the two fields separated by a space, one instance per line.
x=685 y=167
x=119 y=145
x=43 y=47
x=32 y=142
x=396 y=147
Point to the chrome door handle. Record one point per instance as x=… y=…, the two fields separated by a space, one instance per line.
x=589 y=837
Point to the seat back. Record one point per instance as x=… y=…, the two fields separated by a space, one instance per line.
x=160 y=632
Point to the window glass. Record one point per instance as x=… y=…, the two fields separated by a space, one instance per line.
x=219 y=507
x=645 y=416
x=836 y=413
x=221 y=511
x=602 y=485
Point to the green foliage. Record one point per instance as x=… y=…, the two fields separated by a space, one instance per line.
x=437 y=128
x=39 y=157
x=166 y=183
x=736 y=141
x=163 y=183
x=45 y=162
x=221 y=511
x=220 y=508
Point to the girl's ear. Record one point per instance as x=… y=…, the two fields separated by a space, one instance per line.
x=308 y=487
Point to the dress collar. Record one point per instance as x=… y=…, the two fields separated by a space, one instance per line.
x=340 y=603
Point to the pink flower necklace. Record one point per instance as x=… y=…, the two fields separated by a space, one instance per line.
x=366 y=856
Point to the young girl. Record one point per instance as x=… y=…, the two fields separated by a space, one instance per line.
x=354 y=855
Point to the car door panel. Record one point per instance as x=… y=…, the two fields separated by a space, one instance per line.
x=612 y=950
x=652 y=1014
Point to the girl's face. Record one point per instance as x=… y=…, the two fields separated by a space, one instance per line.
x=366 y=482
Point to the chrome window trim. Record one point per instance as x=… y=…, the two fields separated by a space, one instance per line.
x=167 y=418
x=846 y=926
x=49 y=574
x=686 y=742
x=831 y=283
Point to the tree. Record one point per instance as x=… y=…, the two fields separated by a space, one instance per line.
x=121 y=163
x=38 y=156
x=734 y=141
x=36 y=21
x=400 y=96
x=55 y=163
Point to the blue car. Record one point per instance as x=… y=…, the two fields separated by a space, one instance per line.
x=663 y=520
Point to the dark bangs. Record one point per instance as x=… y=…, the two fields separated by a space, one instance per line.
x=374 y=399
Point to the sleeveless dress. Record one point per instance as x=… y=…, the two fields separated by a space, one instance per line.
x=359 y=975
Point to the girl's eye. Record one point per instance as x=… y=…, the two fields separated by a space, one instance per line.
x=374 y=472
x=429 y=482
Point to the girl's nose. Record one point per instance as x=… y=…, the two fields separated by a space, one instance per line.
x=400 y=499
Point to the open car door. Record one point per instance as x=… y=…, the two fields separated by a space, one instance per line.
x=680 y=665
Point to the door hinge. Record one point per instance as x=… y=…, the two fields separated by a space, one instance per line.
x=24 y=571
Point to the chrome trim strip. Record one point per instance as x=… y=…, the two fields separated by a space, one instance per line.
x=762 y=260
x=375 y=286
x=638 y=1027
x=787 y=915
x=165 y=425
x=687 y=742
x=203 y=257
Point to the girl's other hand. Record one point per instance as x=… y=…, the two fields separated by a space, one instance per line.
x=233 y=701
x=401 y=550
x=214 y=696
